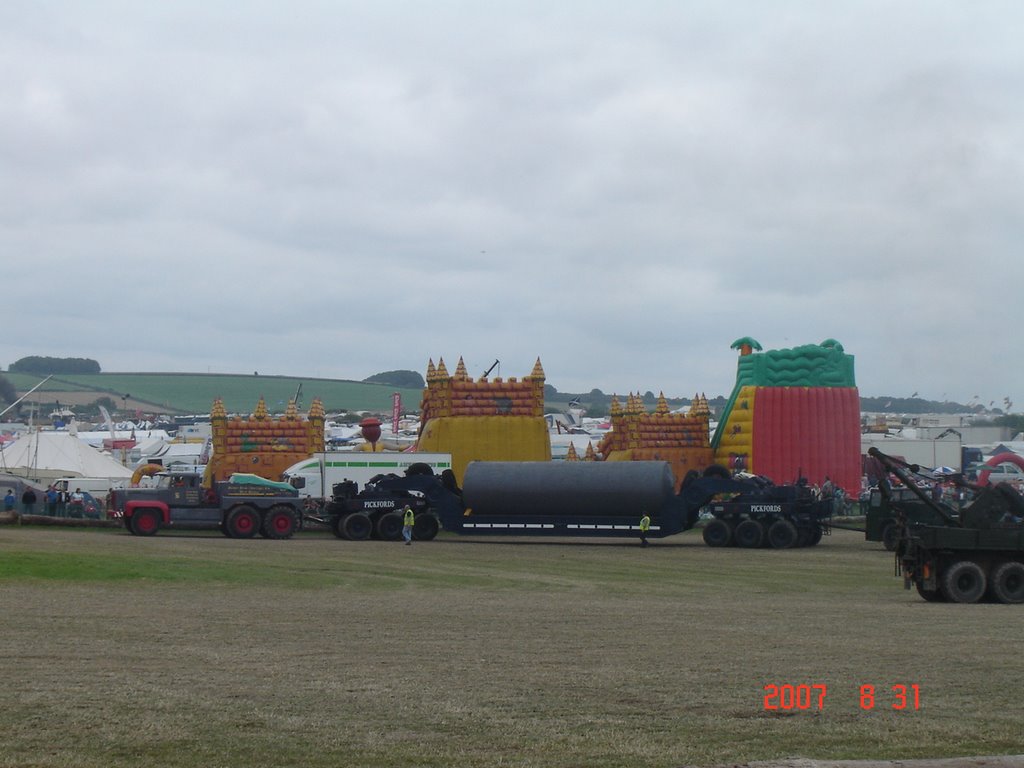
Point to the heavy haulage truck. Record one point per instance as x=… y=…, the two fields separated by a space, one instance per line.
x=581 y=499
x=240 y=507
x=978 y=554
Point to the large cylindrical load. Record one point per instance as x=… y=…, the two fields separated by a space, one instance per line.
x=620 y=488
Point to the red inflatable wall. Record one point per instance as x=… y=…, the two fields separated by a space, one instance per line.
x=808 y=431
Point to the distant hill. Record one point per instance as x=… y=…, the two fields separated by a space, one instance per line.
x=194 y=393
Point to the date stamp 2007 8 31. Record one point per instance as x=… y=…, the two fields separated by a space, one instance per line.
x=789 y=697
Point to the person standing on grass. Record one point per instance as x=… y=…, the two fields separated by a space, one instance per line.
x=51 y=501
x=28 y=500
x=9 y=501
x=77 y=504
x=408 y=521
x=827 y=489
x=645 y=526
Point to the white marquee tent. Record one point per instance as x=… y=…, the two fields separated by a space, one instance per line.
x=46 y=456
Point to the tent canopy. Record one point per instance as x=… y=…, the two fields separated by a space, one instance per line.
x=45 y=456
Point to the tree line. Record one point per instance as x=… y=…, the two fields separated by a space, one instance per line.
x=46 y=366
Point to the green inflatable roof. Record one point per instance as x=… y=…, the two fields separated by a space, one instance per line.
x=810 y=365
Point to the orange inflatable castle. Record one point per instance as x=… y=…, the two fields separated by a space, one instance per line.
x=262 y=445
x=680 y=439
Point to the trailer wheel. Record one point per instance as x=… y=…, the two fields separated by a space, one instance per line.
x=749 y=534
x=356 y=526
x=964 y=582
x=1008 y=582
x=717 y=533
x=389 y=526
x=280 y=522
x=931 y=595
x=782 y=534
x=243 y=522
x=145 y=521
x=717 y=470
x=891 y=537
x=426 y=527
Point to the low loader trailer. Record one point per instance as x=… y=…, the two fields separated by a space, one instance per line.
x=606 y=499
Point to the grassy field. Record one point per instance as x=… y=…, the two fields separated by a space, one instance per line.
x=199 y=650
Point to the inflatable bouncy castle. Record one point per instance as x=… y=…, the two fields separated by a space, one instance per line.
x=680 y=439
x=262 y=445
x=793 y=413
x=483 y=420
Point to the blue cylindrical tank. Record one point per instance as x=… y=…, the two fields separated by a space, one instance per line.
x=550 y=488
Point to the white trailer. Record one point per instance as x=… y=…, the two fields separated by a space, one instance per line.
x=926 y=453
x=316 y=475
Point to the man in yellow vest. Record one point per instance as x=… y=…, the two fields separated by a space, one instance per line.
x=408 y=521
x=645 y=526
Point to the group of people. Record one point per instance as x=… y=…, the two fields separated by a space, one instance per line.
x=56 y=503
x=829 y=491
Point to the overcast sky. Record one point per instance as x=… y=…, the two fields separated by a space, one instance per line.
x=622 y=189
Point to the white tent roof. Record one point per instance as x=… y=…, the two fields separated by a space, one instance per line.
x=96 y=438
x=49 y=455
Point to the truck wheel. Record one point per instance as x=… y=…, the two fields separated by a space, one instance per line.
x=782 y=534
x=931 y=595
x=243 y=522
x=891 y=537
x=356 y=526
x=338 y=526
x=426 y=527
x=145 y=522
x=717 y=533
x=389 y=526
x=749 y=534
x=280 y=522
x=1008 y=583
x=964 y=582
x=816 y=533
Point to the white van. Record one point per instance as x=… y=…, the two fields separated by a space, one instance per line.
x=97 y=486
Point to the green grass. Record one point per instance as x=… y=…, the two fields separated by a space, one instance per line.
x=200 y=650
